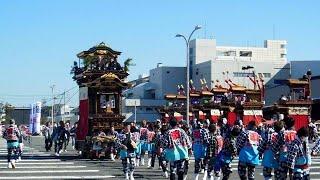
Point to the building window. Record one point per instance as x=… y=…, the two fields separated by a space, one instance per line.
x=148 y=109
x=168 y=72
x=245 y=53
x=283 y=55
x=282 y=46
x=241 y=74
x=267 y=75
x=226 y=53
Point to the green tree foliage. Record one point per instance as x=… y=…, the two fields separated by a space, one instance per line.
x=127 y=64
x=8 y=110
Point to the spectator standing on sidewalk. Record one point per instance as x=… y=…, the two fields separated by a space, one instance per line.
x=47 y=132
x=11 y=134
x=66 y=142
x=73 y=131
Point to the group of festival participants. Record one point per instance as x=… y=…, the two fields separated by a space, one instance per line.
x=277 y=147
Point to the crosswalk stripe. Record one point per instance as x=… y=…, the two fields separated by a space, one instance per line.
x=35 y=160
x=46 y=167
x=48 y=171
x=40 y=163
x=59 y=177
x=311 y=173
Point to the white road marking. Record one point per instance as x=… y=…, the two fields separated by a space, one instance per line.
x=40 y=163
x=46 y=167
x=47 y=171
x=311 y=173
x=35 y=160
x=59 y=177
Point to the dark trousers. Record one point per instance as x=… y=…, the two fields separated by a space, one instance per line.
x=199 y=164
x=163 y=163
x=246 y=171
x=267 y=172
x=153 y=158
x=301 y=176
x=58 y=146
x=282 y=171
x=48 y=144
x=177 y=168
x=12 y=154
x=226 y=170
x=66 y=143
x=128 y=164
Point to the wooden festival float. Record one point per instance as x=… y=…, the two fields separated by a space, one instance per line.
x=101 y=81
x=234 y=103
x=296 y=105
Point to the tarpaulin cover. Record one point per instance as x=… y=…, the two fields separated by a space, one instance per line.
x=248 y=118
x=83 y=121
x=232 y=117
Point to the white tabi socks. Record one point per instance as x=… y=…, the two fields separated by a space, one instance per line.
x=205 y=175
x=196 y=176
x=149 y=162
x=137 y=162
x=142 y=161
x=131 y=176
x=112 y=157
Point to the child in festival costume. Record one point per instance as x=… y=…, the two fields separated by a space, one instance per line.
x=213 y=150
x=151 y=146
x=265 y=149
x=200 y=142
x=299 y=158
x=143 y=145
x=127 y=143
x=11 y=134
x=177 y=148
x=228 y=152
x=247 y=147
x=280 y=149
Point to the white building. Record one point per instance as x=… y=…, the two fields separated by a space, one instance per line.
x=212 y=62
x=66 y=113
x=141 y=101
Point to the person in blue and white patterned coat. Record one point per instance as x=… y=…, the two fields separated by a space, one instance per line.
x=299 y=157
x=177 y=148
x=126 y=142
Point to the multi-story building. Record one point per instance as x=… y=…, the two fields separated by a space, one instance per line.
x=142 y=100
x=211 y=62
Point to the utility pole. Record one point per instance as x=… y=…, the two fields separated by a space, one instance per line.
x=53 y=102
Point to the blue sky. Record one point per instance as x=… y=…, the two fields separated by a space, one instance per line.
x=39 y=39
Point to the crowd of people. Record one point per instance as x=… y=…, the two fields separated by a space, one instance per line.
x=277 y=146
x=59 y=136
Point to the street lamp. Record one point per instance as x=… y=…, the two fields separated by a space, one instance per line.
x=52 y=108
x=188 y=69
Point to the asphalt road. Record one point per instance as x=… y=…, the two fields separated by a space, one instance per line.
x=38 y=164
